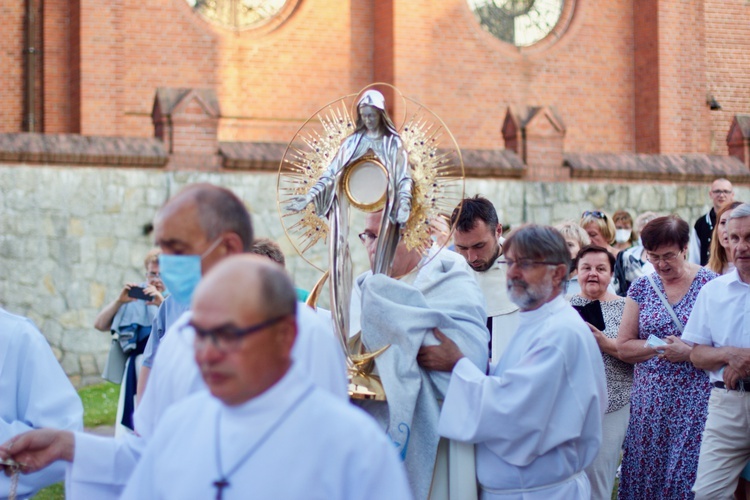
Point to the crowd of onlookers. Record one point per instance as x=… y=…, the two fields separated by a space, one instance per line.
x=657 y=399
x=636 y=281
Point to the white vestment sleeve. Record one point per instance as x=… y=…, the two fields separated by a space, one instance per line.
x=34 y=393
x=513 y=414
x=102 y=466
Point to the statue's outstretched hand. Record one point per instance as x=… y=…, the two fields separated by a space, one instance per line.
x=298 y=203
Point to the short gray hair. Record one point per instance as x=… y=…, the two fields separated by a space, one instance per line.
x=740 y=212
x=219 y=211
x=543 y=243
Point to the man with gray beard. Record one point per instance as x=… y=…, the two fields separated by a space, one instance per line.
x=536 y=418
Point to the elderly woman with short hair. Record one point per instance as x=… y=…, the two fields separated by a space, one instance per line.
x=669 y=400
x=595 y=267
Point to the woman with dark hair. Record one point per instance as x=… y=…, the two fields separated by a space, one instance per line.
x=719 y=261
x=595 y=266
x=669 y=400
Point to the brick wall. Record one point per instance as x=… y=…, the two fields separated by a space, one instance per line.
x=646 y=55
x=626 y=76
x=469 y=78
x=684 y=115
x=727 y=64
x=11 y=66
x=57 y=67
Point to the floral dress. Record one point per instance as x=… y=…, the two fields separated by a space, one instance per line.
x=669 y=404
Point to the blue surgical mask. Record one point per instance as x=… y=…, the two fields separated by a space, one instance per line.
x=182 y=273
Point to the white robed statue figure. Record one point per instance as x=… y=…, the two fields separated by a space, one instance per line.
x=374 y=144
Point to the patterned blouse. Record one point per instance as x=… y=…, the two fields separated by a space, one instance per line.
x=619 y=374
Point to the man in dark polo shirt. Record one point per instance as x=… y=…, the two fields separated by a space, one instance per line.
x=721 y=194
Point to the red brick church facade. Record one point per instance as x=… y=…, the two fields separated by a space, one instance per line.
x=621 y=77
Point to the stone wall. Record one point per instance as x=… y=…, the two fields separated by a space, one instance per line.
x=71 y=236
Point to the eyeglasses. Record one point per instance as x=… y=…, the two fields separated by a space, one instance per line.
x=526 y=264
x=594 y=213
x=667 y=257
x=153 y=275
x=367 y=237
x=724 y=192
x=226 y=337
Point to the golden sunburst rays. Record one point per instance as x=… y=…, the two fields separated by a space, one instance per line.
x=307 y=157
x=437 y=177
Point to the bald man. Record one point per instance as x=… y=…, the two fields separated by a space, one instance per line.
x=721 y=193
x=197 y=228
x=264 y=428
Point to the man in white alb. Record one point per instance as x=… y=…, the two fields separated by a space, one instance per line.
x=719 y=327
x=202 y=224
x=265 y=430
x=477 y=238
x=536 y=419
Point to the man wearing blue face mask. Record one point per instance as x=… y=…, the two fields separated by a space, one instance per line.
x=195 y=230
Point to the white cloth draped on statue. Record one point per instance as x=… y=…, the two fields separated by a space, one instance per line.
x=403 y=313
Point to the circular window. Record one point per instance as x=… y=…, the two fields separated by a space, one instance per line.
x=519 y=22
x=243 y=14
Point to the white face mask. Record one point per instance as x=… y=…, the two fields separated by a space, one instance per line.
x=623 y=235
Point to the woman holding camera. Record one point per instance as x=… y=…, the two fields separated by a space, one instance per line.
x=129 y=318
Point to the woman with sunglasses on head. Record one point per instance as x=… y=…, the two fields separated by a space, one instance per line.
x=669 y=400
x=600 y=228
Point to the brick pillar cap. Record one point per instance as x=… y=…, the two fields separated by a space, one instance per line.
x=170 y=101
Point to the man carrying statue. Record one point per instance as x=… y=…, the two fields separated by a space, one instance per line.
x=396 y=306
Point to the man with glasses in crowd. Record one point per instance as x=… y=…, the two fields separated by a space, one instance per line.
x=719 y=327
x=402 y=311
x=197 y=228
x=721 y=194
x=477 y=237
x=537 y=417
